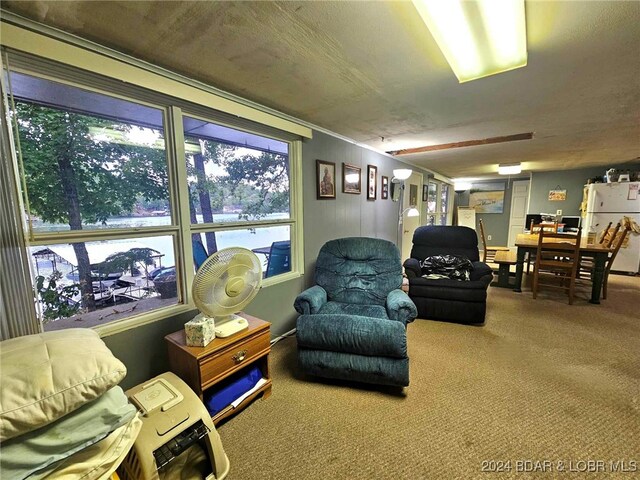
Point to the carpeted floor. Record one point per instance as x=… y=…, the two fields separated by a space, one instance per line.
x=541 y=381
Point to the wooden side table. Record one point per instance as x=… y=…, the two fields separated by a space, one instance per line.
x=203 y=367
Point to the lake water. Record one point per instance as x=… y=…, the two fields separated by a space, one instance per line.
x=245 y=237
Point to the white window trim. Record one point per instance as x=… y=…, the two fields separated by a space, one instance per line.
x=157 y=80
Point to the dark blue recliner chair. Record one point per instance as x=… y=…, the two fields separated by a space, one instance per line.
x=352 y=323
x=446 y=299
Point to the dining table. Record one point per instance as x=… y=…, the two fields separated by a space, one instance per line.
x=528 y=243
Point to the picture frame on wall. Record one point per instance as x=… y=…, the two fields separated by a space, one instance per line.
x=325 y=180
x=425 y=192
x=413 y=195
x=384 y=187
x=372 y=182
x=487 y=197
x=351 y=179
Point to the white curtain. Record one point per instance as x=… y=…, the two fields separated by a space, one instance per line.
x=17 y=309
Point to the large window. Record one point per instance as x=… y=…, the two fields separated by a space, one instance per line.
x=438 y=200
x=235 y=178
x=104 y=196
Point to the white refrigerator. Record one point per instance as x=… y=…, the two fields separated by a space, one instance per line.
x=610 y=202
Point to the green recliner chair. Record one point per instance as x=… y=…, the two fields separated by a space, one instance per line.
x=352 y=323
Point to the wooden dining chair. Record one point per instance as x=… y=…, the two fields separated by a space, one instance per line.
x=616 y=244
x=548 y=227
x=557 y=258
x=604 y=234
x=586 y=264
x=489 y=252
x=537 y=228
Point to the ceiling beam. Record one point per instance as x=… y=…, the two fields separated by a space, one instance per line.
x=466 y=143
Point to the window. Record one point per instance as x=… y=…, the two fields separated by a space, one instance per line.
x=437 y=203
x=234 y=178
x=444 y=203
x=103 y=195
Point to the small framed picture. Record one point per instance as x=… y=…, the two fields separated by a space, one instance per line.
x=351 y=179
x=372 y=179
x=384 y=187
x=425 y=192
x=413 y=195
x=325 y=180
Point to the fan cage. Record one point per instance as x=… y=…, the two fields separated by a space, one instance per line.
x=227 y=281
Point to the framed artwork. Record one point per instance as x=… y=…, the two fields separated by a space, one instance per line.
x=384 y=187
x=325 y=180
x=413 y=195
x=351 y=179
x=487 y=197
x=425 y=192
x=372 y=185
x=557 y=195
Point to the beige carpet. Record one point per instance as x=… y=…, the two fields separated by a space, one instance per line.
x=541 y=381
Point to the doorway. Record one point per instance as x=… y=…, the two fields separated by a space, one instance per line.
x=519 y=208
x=412 y=197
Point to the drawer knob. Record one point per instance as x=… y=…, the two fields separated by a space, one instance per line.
x=238 y=357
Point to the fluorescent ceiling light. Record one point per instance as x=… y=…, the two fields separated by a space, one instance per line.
x=462 y=186
x=402 y=173
x=509 y=169
x=478 y=38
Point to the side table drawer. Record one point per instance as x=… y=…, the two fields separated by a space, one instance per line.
x=233 y=358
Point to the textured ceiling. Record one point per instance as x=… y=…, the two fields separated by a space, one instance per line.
x=369 y=70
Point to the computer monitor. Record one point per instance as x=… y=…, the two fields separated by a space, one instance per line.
x=571 y=223
x=535 y=217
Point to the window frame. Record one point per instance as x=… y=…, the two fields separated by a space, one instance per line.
x=439 y=210
x=180 y=228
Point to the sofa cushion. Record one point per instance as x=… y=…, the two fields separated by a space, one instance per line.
x=352 y=334
x=376 y=311
x=49 y=375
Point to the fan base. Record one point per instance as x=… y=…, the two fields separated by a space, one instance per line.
x=232 y=326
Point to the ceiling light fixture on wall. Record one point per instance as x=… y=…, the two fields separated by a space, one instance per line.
x=402 y=173
x=478 y=38
x=509 y=168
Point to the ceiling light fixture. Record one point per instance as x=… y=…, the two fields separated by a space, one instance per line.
x=478 y=38
x=402 y=173
x=462 y=186
x=509 y=168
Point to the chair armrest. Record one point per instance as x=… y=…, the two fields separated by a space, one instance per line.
x=481 y=270
x=412 y=267
x=400 y=307
x=311 y=300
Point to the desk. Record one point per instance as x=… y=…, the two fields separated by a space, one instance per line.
x=599 y=253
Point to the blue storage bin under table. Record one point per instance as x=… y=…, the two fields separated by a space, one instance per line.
x=218 y=397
